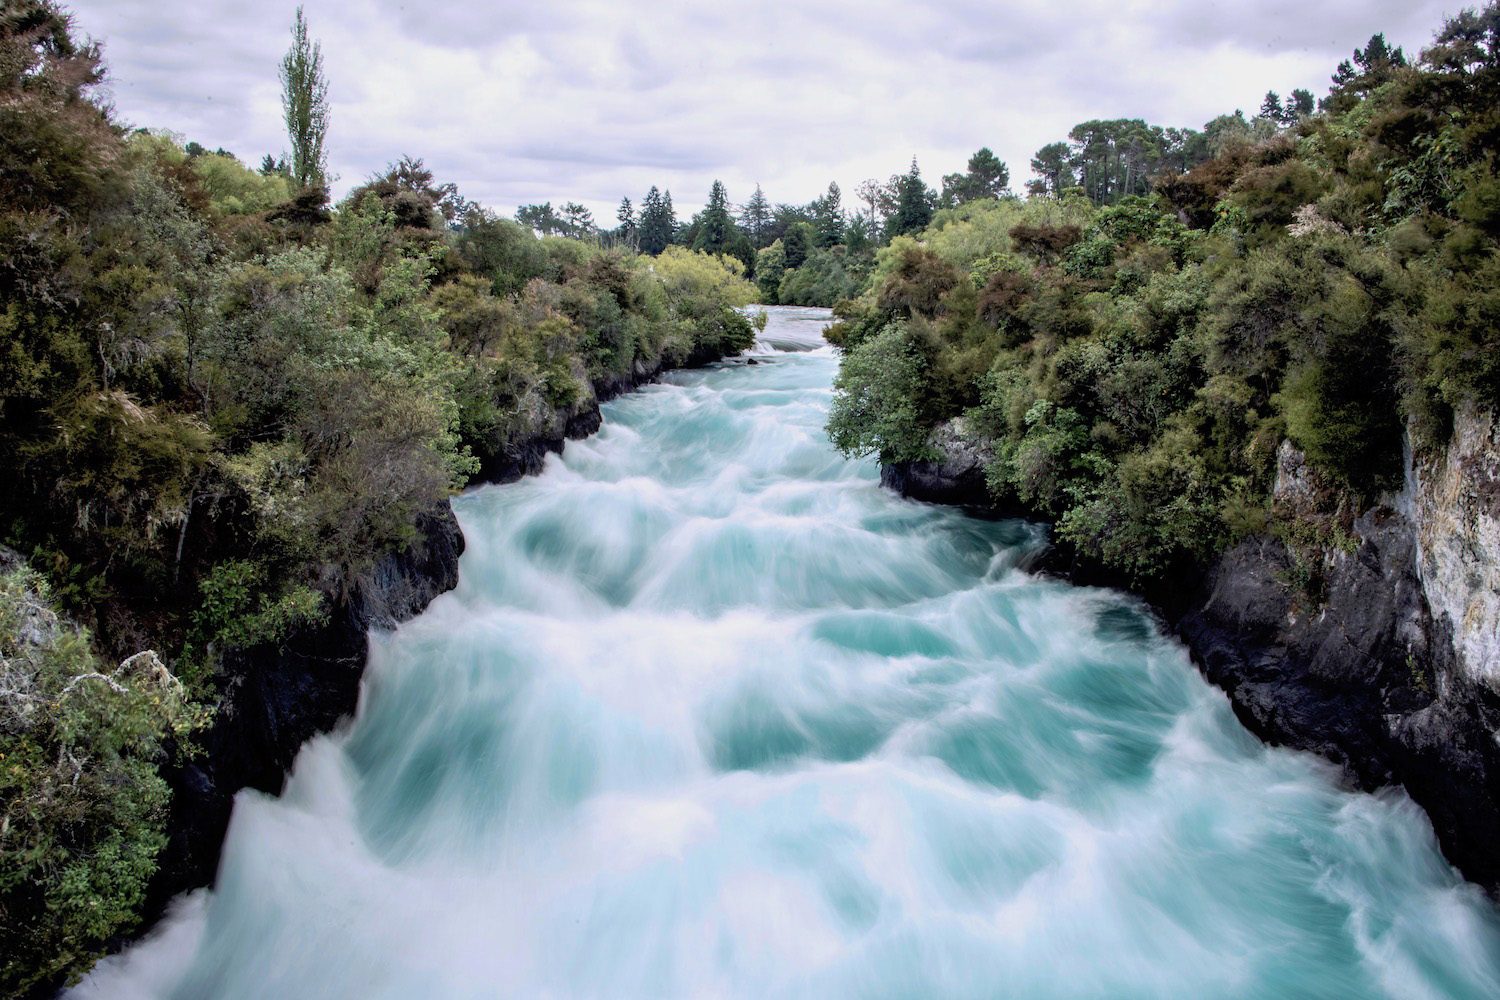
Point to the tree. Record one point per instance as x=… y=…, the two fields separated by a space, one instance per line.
x=578 y=221
x=1271 y=107
x=828 y=217
x=755 y=216
x=304 y=102
x=543 y=218
x=628 y=231
x=1116 y=158
x=1371 y=66
x=1378 y=58
x=987 y=177
x=715 y=227
x=857 y=236
x=1300 y=103
x=797 y=244
x=914 y=203
x=770 y=267
x=1052 y=167
x=671 y=217
x=657 y=224
x=872 y=193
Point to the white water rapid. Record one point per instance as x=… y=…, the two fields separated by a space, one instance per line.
x=712 y=715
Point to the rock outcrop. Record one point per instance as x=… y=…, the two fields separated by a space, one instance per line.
x=956 y=477
x=1453 y=499
x=277 y=697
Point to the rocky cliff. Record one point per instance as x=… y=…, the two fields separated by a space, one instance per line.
x=276 y=697
x=1381 y=657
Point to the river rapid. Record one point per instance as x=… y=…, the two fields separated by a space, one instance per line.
x=711 y=714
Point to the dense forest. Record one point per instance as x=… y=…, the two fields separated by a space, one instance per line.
x=222 y=399
x=1132 y=343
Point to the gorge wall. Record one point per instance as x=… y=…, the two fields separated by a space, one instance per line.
x=1381 y=659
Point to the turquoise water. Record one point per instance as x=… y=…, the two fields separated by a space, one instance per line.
x=712 y=715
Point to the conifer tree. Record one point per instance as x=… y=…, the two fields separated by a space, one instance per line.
x=755 y=217
x=715 y=227
x=657 y=224
x=671 y=216
x=828 y=211
x=628 y=231
x=987 y=177
x=914 y=202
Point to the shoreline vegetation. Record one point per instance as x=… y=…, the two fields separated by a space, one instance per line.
x=234 y=412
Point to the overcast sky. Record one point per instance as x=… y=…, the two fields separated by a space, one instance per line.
x=527 y=101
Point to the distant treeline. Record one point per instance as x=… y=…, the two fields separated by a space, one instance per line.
x=820 y=252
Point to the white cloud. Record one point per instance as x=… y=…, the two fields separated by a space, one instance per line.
x=589 y=101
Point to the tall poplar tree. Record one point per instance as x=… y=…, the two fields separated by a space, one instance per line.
x=304 y=102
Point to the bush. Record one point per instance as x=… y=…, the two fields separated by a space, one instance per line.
x=881 y=399
x=84 y=805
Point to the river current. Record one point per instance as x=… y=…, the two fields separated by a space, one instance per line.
x=711 y=714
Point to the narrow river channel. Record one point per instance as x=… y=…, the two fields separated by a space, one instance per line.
x=711 y=714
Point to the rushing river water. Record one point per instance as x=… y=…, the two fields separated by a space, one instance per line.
x=712 y=715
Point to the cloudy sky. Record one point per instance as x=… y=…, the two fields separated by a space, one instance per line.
x=527 y=101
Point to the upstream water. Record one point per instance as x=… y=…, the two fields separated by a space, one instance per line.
x=712 y=715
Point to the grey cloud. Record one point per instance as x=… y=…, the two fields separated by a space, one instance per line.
x=522 y=101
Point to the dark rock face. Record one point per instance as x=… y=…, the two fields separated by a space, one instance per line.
x=956 y=478
x=1343 y=680
x=509 y=462
x=278 y=697
x=1363 y=675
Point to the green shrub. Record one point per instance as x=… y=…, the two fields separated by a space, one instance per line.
x=881 y=399
x=84 y=805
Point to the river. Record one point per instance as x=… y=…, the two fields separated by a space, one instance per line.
x=710 y=714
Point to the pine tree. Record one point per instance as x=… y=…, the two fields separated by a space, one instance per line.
x=626 y=217
x=829 y=212
x=578 y=220
x=657 y=224
x=1052 y=165
x=1271 y=107
x=755 y=216
x=987 y=177
x=914 y=202
x=715 y=227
